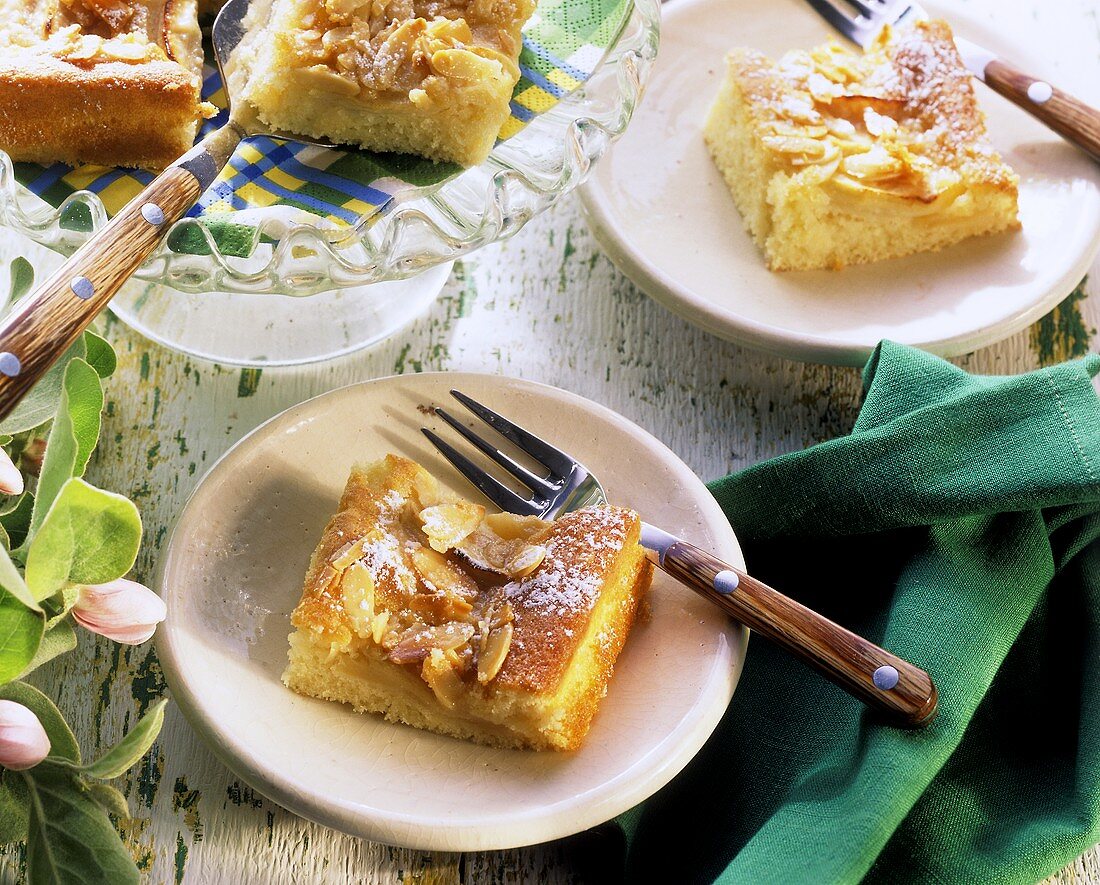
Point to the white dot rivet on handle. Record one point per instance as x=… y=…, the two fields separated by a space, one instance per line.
x=152 y=213
x=1040 y=92
x=885 y=677
x=726 y=582
x=9 y=364
x=82 y=287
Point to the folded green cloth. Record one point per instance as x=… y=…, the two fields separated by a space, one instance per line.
x=959 y=526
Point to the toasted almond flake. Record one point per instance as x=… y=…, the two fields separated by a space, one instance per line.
x=417 y=642
x=378 y=627
x=447 y=525
x=327 y=577
x=357 y=587
x=442 y=679
x=438 y=571
x=351 y=552
x=492 y=658
x=526 y=561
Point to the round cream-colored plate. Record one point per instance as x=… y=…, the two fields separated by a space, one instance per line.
x=661 y=210
x=233 y=573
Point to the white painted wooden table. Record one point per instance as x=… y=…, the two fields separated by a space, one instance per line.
x=546 y=306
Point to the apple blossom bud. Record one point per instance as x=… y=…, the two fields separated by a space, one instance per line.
x=122 y=610
x=11 y=480
x=23 y=740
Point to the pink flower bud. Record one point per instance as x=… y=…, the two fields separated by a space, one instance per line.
x=122 y=610
x=23 y=740
x=11 y=480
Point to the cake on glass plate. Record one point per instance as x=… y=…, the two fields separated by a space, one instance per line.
x=836 y=157
x=426 y=77
x=110 y=82
x=492 y=627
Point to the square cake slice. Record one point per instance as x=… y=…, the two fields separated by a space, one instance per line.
x=836 y=157
x=109 y=82
x=497 y=628
x=426 y=77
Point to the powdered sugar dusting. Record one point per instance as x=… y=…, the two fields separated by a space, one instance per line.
x=560 y=585
x=383 y=555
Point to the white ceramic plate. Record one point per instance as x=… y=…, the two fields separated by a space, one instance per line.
x=232 y=574
x=661 y=210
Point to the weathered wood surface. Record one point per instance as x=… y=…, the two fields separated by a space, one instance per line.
x=546 y=306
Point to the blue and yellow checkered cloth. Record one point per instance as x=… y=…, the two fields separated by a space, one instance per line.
x=563 y=44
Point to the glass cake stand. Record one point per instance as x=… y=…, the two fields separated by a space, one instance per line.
x=308 y=291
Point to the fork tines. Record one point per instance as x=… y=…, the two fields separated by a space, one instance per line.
x=558 y=465
x=868 y=18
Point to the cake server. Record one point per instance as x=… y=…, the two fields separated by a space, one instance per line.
x=44 y=324
x=878 y=678
x=861 y=20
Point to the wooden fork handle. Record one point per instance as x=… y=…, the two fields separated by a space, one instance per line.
x=872 y=674
x=1070 y=117
x=44 y=324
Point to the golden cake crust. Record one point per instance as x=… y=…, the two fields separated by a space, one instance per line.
x=566 y=620
x=557 y=600
x=50 y=112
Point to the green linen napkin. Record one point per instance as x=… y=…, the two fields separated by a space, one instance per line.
x=959 y=526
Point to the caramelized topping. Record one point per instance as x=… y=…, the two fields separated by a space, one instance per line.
x=106 y=18
x=870 y=123
x=453 y=622
x=402 y=46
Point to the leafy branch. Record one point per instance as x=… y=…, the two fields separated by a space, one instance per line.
x=65 y=545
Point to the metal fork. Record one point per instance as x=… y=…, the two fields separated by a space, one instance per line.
x=862 y=20
x=875 y=676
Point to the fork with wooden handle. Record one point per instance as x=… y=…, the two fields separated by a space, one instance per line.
x=878 y=678
x=44 y=324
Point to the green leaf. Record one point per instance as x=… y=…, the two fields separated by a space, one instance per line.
x=17 y=520
x=84 y=393
x=58 y=605
x=20 y=635
x=73 y=436
x=70 y=838
x=57 y=640
x=62 y=741
x=131 y=748
x=40 y=403
x=22 y=278
x=110 y=799
x=14 y=807
x=13 y=582
x=89 y=536
x=12 y=503
x=100 y=354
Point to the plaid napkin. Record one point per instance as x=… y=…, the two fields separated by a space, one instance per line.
x=959 y=526
x=564 y=43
